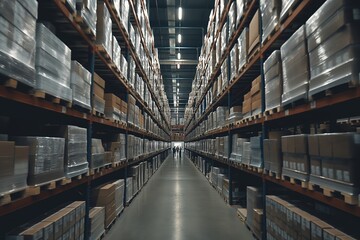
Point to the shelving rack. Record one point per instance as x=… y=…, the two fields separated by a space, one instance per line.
x=329 y=108
x=17 y=101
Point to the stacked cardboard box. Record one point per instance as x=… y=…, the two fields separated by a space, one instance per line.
x=256 y=96
x=295 y=156
x=17 y=47
x=86 y=10
x=225 y=188
x=53 y=64
x=240 y=8
x=295 y=67
x=246 y=106
x=104 y=196
x=286 y=221
x=273 y=81
x=328 y=41
x=80 y=85
x=119 y=195
x=125 y=8
x=131 y=109
x=272 y=155
x=135 y=173
x=224 y=74
x=235 y=114
x=253 y=201
x=97 y=222
x=67 y=223
x=254 y=33
x=333 y=160
x=113 y=105
x=14 y=167
x=97 y=154
x=98 y=94
x=46 y=158
x=104 y=35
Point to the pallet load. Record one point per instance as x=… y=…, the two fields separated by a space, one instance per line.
x=14 y=168
x=237 y=148
x=98 y=94
x=131 y=109
x=254 y=34
x=286 y=8
x=46 y=159
x=232 y=19
x=255 y=145
x=97 y=222
x=273 y=156
x=295 y=68
x=129 y=189
x=240 y=8
x=295 y=157
x=135 y=173
x=104 y=196
x=80 y=85
x=270 y=13
x=253 y=204
x=243 y=48
x=112 y=107
x=246 y=105
x=333 y=163
x=97 y=154
x=224 y=75
x=246 y=158
x=104 y=35
x=119 y=195
x=86 y=14
x=328 y=41
x=273 y=82
x=125 y=10
x=256 y=96
x=235 y=115
x=53 y=65
x=116 y=53
x=17 y=47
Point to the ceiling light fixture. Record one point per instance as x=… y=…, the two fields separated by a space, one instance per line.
x=178 y=66
x=179 y=38
x=180 y=13
x=179 y=55
x=178 y=84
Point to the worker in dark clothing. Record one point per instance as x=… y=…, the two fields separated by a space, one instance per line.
x=180 y=152
x=174 y=150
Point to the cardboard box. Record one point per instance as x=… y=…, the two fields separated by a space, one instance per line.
x=325 y=145
x=7 y=156
x=57 y=220
x=345 y=145
x=32 y=234
x=255 y=104
x=111 y=100
x=47 y=228
x=317 y=229
x=79 y=207
x=254 y=32
x=313 y=144
x=68 y=215
x=247 y=96
x=301 y=143
x=98 y=86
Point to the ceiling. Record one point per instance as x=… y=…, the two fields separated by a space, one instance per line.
x=166 y=27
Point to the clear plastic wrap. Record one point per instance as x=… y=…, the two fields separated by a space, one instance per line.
x=97 y=154
x=75 y=151
x=86 y=9
x=71 y=4
x=119 y=195
x=246 y=153
x=80 y=84
x=270 y=11
x=272 y=155
x=14 y=168
x=125 y=7
x=240 y=5
x=272 y=60
x=53 y=63
x=97 y=222
x=224 y=38
x=116 y=53
x=243 y=47
x=98 y=104
x=224 y=74
x=273 y=80
x=17 y=40
x=46 y=158
x=129 y=189
x=255 y=143
x=232 y=19
x=104 y=34
x=286 y=6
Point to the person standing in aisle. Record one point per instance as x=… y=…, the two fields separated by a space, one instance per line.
x=177 y=150
x=174 y=150
x=180 y=152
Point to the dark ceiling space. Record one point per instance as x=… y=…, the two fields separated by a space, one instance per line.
x=166 y=26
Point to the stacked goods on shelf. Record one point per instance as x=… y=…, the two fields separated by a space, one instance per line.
x=273 y=81
x=226 y=191
x=224 y=74
x=53 y=64
x=246 y=158
x=107 y=158
x=119 y=195
x=234 y=61
x=97 y=154
x=97 y=222
x=270 y=13
x=255 y=145
x=220 y=181
x=98 y=101
x=125 y=7
x=124 y=66
x=237 y=148
x=135 y=173
x=104 y=196
x=131 y=109
x=285 y=220
x=254 y=34
x=272 y=155
x=235 y=114
x=232 y=19
x=104 y=34
x=117 y=148
x=67 y=223
x=329 y=40
x=80 y=85
x=113 y=104
x=295 y=157
x=116 y=53
x=333 y=161
x=71 y=5
x=14 y=167
x=240 y=8
x=86 y=14
x=253 y=205
x=221 y=115
x=129 y=189
x=243 y=48
x=295 y=68
x=286 y=8
x=246 y=105
x=46 y=158
x=17 y=48
x=256 y=96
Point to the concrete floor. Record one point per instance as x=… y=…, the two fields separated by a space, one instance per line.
x=178 y=203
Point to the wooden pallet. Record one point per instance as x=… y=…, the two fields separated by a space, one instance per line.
x=36 y=190
x=245 y=120
x=272 y=174
x=13 y=196
x=333 y=90
x=253 y=53
x=84 y=27
x=69 y=180
x=14 y=84
x=242 y=214
x=273 y=110
x=104 y=53
x=66 y=3
x=295 y=181
x=351 y=199
x=81 y=108
x=117 y=164
x=117 y=121
x=98 y=114
x=43 y=95
x=108 y=227
x=295 y=103
x=256 y=116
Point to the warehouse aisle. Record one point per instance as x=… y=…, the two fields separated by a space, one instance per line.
x=178 y=204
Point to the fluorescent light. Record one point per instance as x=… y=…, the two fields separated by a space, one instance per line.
x=178 y=84
x=179 y=55
x=180 y=13
x=179 y=38
x=178 y=66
